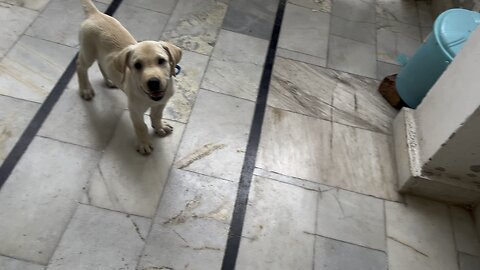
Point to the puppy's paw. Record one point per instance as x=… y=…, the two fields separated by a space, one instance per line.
x=87 y=94
x=164 y=130
x=110 y=84
x=145 y=148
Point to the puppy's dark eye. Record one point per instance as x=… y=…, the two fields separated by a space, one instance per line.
x=138 y=66
x=161 y=61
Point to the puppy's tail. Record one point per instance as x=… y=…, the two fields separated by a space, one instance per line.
x=89 y=7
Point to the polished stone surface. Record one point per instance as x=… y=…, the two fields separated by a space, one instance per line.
x=14 y=118
x=357 y=11
x=466 y=235
x=216 y=136
x=32 y=67
x=352 y=56
x=100 y=239
x=404 y=11
x=194 y=25
x=317 y=5
x=359 y=31
x=236 y=65
x=330 y=95
x=251 y=17
x=14 y=20
x=164 y=6
x=39 y=198
x=37 y=5
x=469 y=262
x=395 y=38
x=59 y=22
x=86 y=123
x=303 y=26
x=269 y=230
x=187 y=84
x=7 y=263
x=191 y=226
x=351 y=217
x=332 y=255
x=126 y=181
x=328 y=153
x=419 y=236
x=386 y=69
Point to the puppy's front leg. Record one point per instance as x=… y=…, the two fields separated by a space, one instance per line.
x=144 y=145
x=162 y=129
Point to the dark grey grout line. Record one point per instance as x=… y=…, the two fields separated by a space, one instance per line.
x=22 y=260
x=115 y=211
x=22 y=144
x=21 y=99
x=241 y=201
x=342 y=241
x=319 y=184
x=203 y=174
x=51 y=41
x=65 y=142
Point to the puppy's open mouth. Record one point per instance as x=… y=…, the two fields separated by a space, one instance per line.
x=156 y=95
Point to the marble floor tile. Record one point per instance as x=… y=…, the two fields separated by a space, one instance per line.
x=386 y=69
x=302 y=88
x=336 y=255
x=351 y=217
x=425 y=15
x=87 y=123
x=39 y=198
x=295 y=145
x=317 y=5
x=187 y=84
x=329 y=94
x=466 y=235
x=164 y=6
x=14 y=118
x=306 y=58
x=100 y=239
x=143 y=24
x=426 y=31
x=394 y=39
x=194 y=25
x=362 y=161
x=419 y=236
x=216 y=136
x=236 y=65
x=357 y=11
x=60 y=21
x=37 y=5
x=126 y=181
x=357 y=103
x=352 y=56
x=364 y=32
x=7 y=263
x=305 y=31
x=191 y=226
x=251 y=17
x=32 y=67
x=268 y=231
x=14 y=20
x=404 y=11
x=469 y=262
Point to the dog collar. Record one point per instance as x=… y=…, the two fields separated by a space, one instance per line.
x=177 y=69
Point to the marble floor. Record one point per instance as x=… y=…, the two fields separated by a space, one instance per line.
x=323 y=193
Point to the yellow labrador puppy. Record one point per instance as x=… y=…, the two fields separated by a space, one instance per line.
x=143 y=70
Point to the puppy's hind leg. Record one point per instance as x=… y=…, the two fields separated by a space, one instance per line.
x=108 y=82
x=83 y=63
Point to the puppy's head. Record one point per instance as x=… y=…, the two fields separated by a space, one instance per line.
x=151 y=65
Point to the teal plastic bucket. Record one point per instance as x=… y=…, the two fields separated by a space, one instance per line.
x=450 y=32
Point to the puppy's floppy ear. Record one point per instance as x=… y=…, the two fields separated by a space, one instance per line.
x=174 y=55
x=121 y=60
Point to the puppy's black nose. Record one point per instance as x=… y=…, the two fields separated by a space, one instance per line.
x=153 y=84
